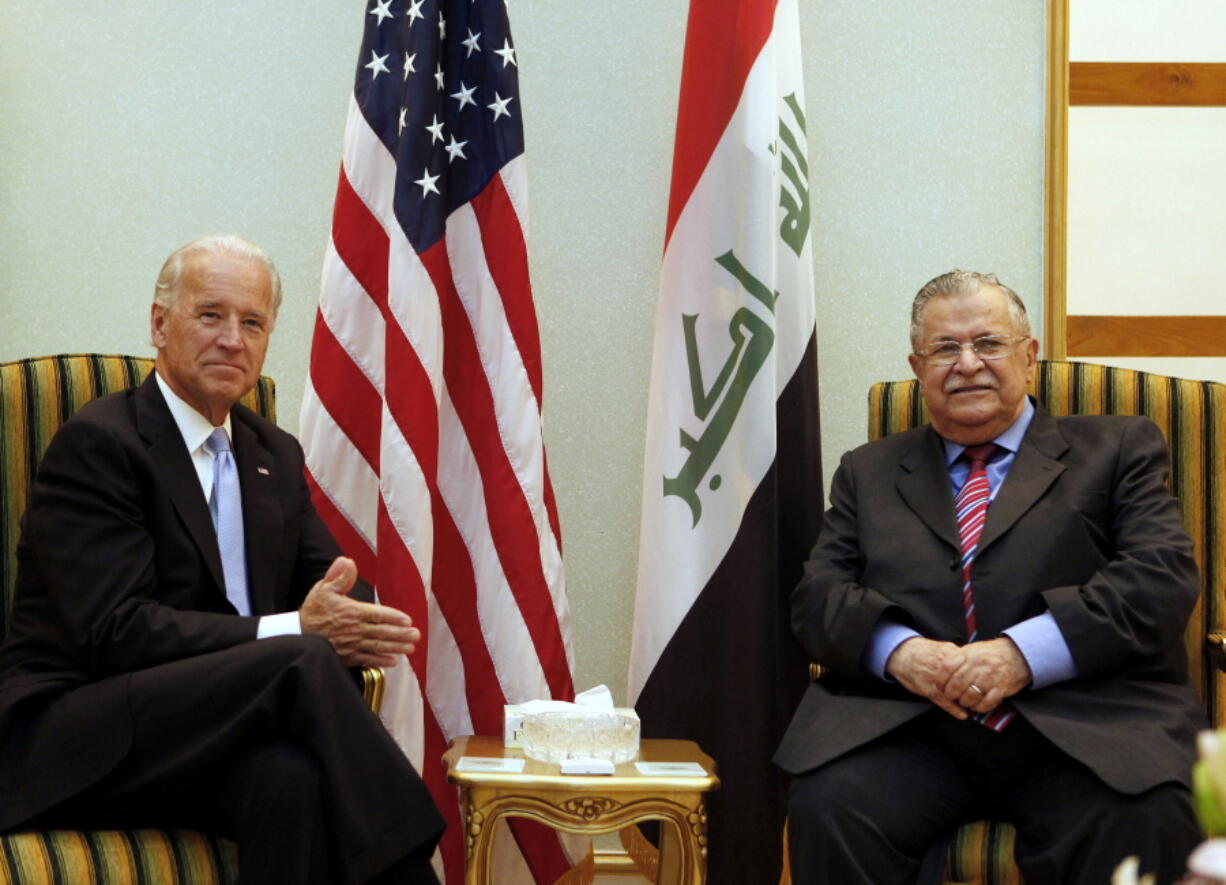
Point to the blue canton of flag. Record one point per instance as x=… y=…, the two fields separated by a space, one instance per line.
x=438 y=83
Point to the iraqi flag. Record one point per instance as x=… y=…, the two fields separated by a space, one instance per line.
x=732 y=492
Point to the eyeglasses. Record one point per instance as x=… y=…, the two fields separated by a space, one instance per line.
x=990 y=347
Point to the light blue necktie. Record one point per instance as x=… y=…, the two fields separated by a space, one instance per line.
x=226 y=508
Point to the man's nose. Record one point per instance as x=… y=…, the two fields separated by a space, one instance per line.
x=231 y=334
x=968 y=362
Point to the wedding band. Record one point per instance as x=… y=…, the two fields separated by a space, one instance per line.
x=976 y=688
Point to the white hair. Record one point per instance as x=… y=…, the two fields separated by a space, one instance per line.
x=166 y=290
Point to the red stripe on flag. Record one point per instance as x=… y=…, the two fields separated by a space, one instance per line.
x=511 y=524
x=346 y=392
x=722 y=41
x=400 y=585
x=410 y=400
x=551 y=505
x=453 y=570
x=346 y=536
x=540 y=847
x=451 y=845
x=506 y=255
x=360 y=241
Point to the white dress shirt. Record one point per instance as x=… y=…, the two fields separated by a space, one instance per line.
x=195 y=430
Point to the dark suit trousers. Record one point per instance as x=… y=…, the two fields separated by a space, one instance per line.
x=270 y=743
x=870 y=816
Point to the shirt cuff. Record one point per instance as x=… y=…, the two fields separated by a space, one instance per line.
x=1046 y=652
x=886 y=637
x=284 y=624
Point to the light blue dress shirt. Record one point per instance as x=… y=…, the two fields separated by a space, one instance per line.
x=1039 y=638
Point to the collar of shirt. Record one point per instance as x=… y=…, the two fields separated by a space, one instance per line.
x=195 y=429
x=998 y=467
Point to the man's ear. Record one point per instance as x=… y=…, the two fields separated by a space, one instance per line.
x=157 y=325
x=1032 y=358
x=917 y=365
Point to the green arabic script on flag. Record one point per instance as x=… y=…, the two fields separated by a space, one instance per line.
x=752 y=336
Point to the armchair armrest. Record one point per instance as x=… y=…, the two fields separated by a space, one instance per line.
x=371 y=681
x=1215 y=645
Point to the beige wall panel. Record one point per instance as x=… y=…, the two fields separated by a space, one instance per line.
x=1146 y=223
x=1147 y=30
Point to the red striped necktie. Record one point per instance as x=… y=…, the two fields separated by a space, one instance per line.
x=971 y=509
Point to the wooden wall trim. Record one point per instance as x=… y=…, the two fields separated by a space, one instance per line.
x=1146 y=336
x=1055 y=231
x=1147 y=83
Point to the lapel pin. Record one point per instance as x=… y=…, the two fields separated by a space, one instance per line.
x=263 y=470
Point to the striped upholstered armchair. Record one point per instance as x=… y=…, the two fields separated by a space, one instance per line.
x=1192 y=415
x=36 y=397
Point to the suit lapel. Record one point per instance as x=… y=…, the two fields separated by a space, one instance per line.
x=1034 y=469
x=262 y=516
x=923 y=483
x=174 y=465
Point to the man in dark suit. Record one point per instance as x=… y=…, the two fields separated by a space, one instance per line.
x=154 y=675
x=1029 y=668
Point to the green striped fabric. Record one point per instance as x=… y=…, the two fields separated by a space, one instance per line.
x=983 y=853
x=1192 y=416
x=36 y=397
x=116 y=857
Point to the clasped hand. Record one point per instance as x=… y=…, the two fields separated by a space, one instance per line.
x=961 y=680
x=364 y=634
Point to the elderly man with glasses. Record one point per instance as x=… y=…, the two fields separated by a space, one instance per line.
x=998 y=600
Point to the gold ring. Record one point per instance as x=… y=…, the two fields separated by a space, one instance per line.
x=976 y=688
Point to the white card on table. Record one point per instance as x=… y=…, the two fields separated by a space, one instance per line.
x=489 y=763
x=671 y=769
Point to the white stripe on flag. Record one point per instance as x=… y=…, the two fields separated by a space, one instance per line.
x=353 y=318
x=502 y=623
x=414 y=305
x=445 y=676
x=371 y=170
x=338 y=468
x=516 y=410
x=402 y=706
x=515 y=180
x=406 y=496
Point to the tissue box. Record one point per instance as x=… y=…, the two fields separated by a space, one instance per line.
x=512 y=725
x=590 y=728
x=609 y=734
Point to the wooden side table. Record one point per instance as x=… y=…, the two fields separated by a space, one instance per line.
x=588 y=804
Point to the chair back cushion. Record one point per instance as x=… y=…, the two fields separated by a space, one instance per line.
x=37 y=395
x=1192 y=416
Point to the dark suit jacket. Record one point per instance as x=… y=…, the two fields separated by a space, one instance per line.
x=1083 y=526
x=118 y=570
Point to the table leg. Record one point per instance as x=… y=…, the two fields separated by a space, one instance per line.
x=478 y=841
x=683 y=848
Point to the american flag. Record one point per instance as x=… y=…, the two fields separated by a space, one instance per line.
x=422 y=414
